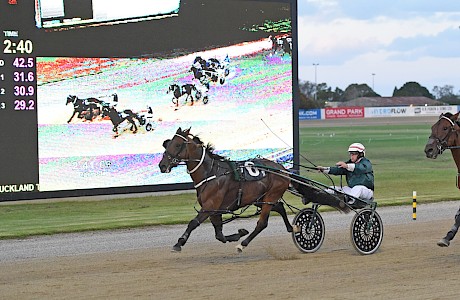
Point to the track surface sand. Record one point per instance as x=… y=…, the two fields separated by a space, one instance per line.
x=408 y=264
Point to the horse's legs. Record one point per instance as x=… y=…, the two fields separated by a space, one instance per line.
x=261 y=225
x=216 y=221
x=445 y=242
x=71 y=117
x=133 y=125
x=279 y=208
x=115 y=130
x=194 y=223
x=90 y=117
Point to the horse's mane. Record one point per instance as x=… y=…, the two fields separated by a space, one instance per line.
x=209 y=148
x=448 y=115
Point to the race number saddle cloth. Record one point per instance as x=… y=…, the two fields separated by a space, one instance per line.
x=245 y=170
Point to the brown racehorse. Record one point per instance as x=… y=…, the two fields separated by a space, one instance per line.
x=218 y=192
x=445 y=135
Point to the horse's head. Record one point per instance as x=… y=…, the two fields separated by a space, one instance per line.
x=172 y=88
x=175 y=150
x=70 y=99
x=443 y=135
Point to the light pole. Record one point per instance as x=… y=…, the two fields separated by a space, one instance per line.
x=316 y=85
x=373 y=74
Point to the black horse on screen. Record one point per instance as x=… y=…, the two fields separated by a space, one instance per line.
x=86 y=109
x=118 y=118
x=184 y=90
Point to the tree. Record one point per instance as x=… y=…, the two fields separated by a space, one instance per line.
x=307 y=88
x=308 y=91
x=307 y=103
x=446 y=94
x=355 y=90
x=444 y=91
x=324 y=93
x=338 y=94
x=412 y=89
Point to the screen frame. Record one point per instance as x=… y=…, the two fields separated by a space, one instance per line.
x=182 y=186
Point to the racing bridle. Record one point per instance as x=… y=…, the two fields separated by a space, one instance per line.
x=442 y=138
x=175 y=159
x=179 y=157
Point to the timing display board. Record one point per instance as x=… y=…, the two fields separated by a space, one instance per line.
x=88 y=93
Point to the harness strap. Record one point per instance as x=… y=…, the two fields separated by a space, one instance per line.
x=205 y=180
x=451 y=122
x=182 y=137
x=199 y=163
x=453 y=130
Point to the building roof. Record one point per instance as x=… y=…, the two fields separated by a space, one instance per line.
x=391 y=101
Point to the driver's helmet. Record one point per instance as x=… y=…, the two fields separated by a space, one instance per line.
x=357 y=147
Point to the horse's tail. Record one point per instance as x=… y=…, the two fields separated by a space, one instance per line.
x=312 y=193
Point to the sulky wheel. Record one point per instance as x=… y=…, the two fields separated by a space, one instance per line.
x=308 y=233
x=366 y=231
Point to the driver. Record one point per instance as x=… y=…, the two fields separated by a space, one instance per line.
x=358 y=172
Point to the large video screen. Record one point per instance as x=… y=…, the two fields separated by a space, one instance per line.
x=90 y=89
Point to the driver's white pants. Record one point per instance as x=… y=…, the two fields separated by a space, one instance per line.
x=358 y=191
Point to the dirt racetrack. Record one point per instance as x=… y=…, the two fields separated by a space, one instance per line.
x=408 y=265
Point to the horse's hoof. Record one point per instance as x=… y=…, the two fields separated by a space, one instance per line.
x=443 y=243
x=239 y=248
x=176 y=248
x=242 y=232
x=295 y=228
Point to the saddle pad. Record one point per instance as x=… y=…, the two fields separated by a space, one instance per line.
x=245 y=170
